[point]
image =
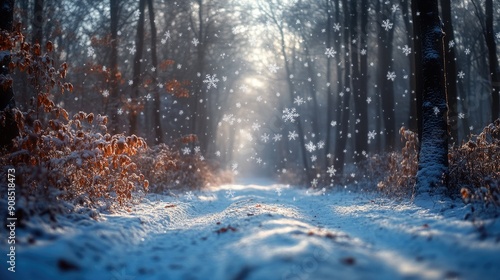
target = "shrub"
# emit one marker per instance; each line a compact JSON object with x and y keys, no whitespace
{"x":475,"y":167}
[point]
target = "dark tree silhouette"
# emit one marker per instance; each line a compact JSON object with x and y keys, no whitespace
{"x":8,"y":127}
{"x":494,"y":66}
{"x":433,"y":157}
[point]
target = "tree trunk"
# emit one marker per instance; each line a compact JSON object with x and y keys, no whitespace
{"x":451,"y":71}
{"x":37,"y":23}
{"x":433,"y":158}
{"x":417,"y":74}
{"x":154,"y":57}
{"x":139,"y":46}
{"x":494,"y":67}
{"x":8,"y":127}
{"x":114,"y":97}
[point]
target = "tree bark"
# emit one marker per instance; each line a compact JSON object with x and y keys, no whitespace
{"x":37,"y":23}
{"x":114,"y":95}
{"x":494,"y":67}
{"x":451,"y":70}
{"x":154,"y":58}
{"x":139,"y":46}
{"x":433,"y":157}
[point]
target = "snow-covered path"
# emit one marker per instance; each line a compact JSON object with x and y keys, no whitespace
{"x":266,"y":231}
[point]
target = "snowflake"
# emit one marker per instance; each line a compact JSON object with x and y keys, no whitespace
{"x":323,"y":191}
{"x":333,"y":123}
{"x":336,"y":27}
{"x":105,"y":93}
{"x":369,"y":100}
{"x":90,"y":51}
{"x":273,"y":68}
{"x":313,"y":158}
{"x":217,"y":154}
{"x":371,"y":134}
{"x":292,"y":135}
{"x":229,"y":193}
{"x":395,"y":8}
{"x":290,"y":115}
{"x":321,"y":145}
{"x":299,"y":101}
{"x":279,"y":191}
{"x":451,"y":44}
{"x":211,"y":81}
{"x":461,"y":74}
{"x":391,"y":76}
{"x":197,"y":149}
{"x":314,"y":183}
{"x":406,"y":50}
{"x":330,"y":52}
{"x":310,"y":147}
{"x":255,"y":126}
{"x":436,"y":110}
{"x":264,"y":137}
{"x":363,"y":52}
{"x":467,"y":51}
{"x":277,"y":137}
{"x":119,"y":111}
{"x":195,"y":42}
{"x":130,"y":82}
{"x":461,"y":115}
{"x":258,"y":160}
{"x":387,"y":25}
{"x":160,"y":85}
{"x":331,"y":171}
{"x":234,"y":166}
{"x":189,"y":195}
{"x":186,"y":150}
{"x":498,"y":35}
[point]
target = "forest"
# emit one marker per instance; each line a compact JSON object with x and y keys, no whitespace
{"x":237,"y":122}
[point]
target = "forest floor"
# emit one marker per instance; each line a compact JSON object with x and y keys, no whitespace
{"x":264,"y":231}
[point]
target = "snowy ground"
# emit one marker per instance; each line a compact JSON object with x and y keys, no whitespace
{"x":265,"y":231}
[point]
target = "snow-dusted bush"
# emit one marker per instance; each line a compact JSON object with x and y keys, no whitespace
{"x":475,"y":167}
{"x":167,"y":169}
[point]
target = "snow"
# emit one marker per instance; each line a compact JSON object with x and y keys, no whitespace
{"x":264,"y":231}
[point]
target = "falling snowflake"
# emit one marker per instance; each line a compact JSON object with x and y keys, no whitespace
{"x":292,"y":135}
{"x":277,"y":137}
{"x":189,"y":195}
{"x":371,"y":135}
{"x":229,"y":193}
{"x":498,"y":35}
{"x":105,"y":93}
{"x":391,"y":76}
{"x":406,"y":50}
{"x":195,"y":42}
{"x":217,"y":154}
{"x":299,"y":101}
{"x":369,"y":100}
{"x":395,"y":8}
{"x":333,"y":123}
{"x":363,"y":52}
{"x":461,"y":115}
{"x":273,"y":68}
{"x":264,"y":137}
{"x":186,"y":150}
{"x":467,"y":51}
{"x":461,"y":74}
{"x":321,"y":145}
{"x":330,"y":52}
{"x":90,"y":52}
{"x":435,"y":110}
{"x":290,"y":115}
{"x":255,"y":126}
{"x":314,"y":183}
{"x":310,"y":147}
{"x":130,"y":82}
{"x":119,"y":111}
{"x":331,"y":171}
{"x":197,"y":149}
{"x":313,"y":158}
{"x":279,"y":191}
{"x":336,"y":27}
{"x":211,"y":81}
{"x":387,"y":25}
{"x":451,"y":44}
{"x":234,"y":166}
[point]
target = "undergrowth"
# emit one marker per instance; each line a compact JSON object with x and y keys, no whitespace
{"x":62,"y":161}
{"x":474,"y":167}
